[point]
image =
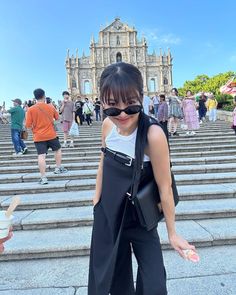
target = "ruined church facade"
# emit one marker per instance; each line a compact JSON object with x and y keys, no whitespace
{"x":118,"y":42}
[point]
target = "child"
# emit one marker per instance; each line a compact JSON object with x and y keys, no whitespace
{"x":163,"y":113}
{"x":211,"y":107}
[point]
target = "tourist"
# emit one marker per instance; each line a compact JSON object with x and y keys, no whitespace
{"x":234,"y":117}
{"x":40,"y":118}
{"x":17,"y":118}
{"x":79,"y":117}
{"x":163,"y":113}
{"x":97,"y":108}
{"x":156,"y":101}
{"x":147,"y":104}
{"x":202,"y":109}
{"x":175,"y":112}
{"x":3,"y":119}
{"x":190,"y":113}
{"x":110,"y":271}
{"x":88,"y":111}
{"x":211,"y":105}
{"x":2,"y":241}
{"x":67,"y":110}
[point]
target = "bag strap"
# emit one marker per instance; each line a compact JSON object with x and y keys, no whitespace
{"x":46,"y":115}
{"x":141,"y":141}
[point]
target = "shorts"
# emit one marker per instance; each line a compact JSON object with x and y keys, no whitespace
{"x":43,"y":146}
{"x":66,"y":126}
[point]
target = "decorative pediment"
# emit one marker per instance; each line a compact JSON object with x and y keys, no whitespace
{"x":118,"y":26}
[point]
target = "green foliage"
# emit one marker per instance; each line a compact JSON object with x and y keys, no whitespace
{"x":206,"y":84}
{"x":224,"y":98}
{"x":229,"y":107}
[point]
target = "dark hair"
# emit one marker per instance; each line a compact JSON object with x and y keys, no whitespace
{"x":48,"y":100}
{"x":65,"y":93}
{"x":162,"y":96}
{"x":176,"y":91}
{"x":189,"y":91}
{"x":123,"y":81}
{"x":39,"y":93}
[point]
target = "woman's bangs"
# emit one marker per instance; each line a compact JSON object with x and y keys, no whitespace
{"x":117,"y":89}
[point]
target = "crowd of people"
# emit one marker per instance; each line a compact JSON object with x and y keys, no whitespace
{"x":190,"y":110}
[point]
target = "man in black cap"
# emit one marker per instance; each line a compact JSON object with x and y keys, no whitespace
{"x":17,"y":119}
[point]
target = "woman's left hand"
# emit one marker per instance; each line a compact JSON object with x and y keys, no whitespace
{"x":180,"y":244}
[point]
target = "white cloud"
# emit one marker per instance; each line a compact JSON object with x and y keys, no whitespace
{"x":154,"y":37}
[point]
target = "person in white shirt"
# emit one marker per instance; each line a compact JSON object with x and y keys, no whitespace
{"x":147,"y":104}
{"x":156,"y":101}
{"x":88,"y":111}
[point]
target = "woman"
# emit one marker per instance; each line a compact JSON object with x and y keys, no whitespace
{"x":175,"y":112}
{"x":202,"y":109}
{"x":116,"y":226}
{"x":163,"y":113}
{"x":211,"y":105}
{"x":190,"y":113}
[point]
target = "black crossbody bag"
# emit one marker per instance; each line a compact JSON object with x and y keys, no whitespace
{"x":146,"y":199}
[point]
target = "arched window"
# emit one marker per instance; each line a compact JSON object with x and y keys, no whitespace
{"x":87,"y":89}
{"x":73,"y":83}
{"x":118,"y":57}
{"x":152,"y":85}
{"x":165,"y":81}
{"x":117,"y":40}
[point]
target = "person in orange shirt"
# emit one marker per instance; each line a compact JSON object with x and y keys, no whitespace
{"x":40,"y":118}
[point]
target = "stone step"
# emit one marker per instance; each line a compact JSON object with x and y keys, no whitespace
{"x":200,"y":153}
{"x":85,"y":141}
{"x":89,"y":170}
{"x":56,"y":276}
{"x":44,"y":243}
{"x":83,"y":215}
{"x":27,"y":165}
{"x":89,"y":183}
{"x":32,"y":201}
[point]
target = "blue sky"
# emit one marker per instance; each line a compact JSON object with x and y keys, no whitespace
{"x":35,"y":35}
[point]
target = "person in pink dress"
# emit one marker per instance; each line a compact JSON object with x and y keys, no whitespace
{"x":234,"y":116}
{"x":190,"y":114}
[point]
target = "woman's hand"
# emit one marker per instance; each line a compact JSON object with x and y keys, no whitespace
{"x":95,"y":201}
{"x":4,"y":240}
{"x":180,"y":244}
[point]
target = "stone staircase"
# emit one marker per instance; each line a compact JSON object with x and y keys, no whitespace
{"x":52,"y":228}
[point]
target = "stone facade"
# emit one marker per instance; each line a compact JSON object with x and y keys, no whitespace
{"x":118,"y":42}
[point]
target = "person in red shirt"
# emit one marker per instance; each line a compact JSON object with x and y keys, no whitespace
{"x":40,"y":118}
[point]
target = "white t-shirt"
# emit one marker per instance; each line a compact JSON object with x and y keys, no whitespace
{"x":156,"y":100}
{"x":147,"y":102}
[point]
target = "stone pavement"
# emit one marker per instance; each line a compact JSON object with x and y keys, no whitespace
{"x":49,"y":251}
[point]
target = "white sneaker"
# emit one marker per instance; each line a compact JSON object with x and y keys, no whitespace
{"x":187,"y":133}
{"x":193,"y":133}
{"x":25,"y":150}
{"x":200,"y":122}
{"x":71,"y":144}
{"x":65,"y":145}
{"x":43,"y":180}
{"x":60,"y":170}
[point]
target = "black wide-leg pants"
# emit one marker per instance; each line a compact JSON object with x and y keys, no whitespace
{"x":151,"y":276}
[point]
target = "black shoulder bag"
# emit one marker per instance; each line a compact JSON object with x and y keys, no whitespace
{"x":146,"y":199}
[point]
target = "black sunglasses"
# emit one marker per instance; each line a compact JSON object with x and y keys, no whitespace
{"x":130,"y":110}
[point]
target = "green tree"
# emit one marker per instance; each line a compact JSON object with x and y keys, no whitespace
{"x":206,"y":84}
